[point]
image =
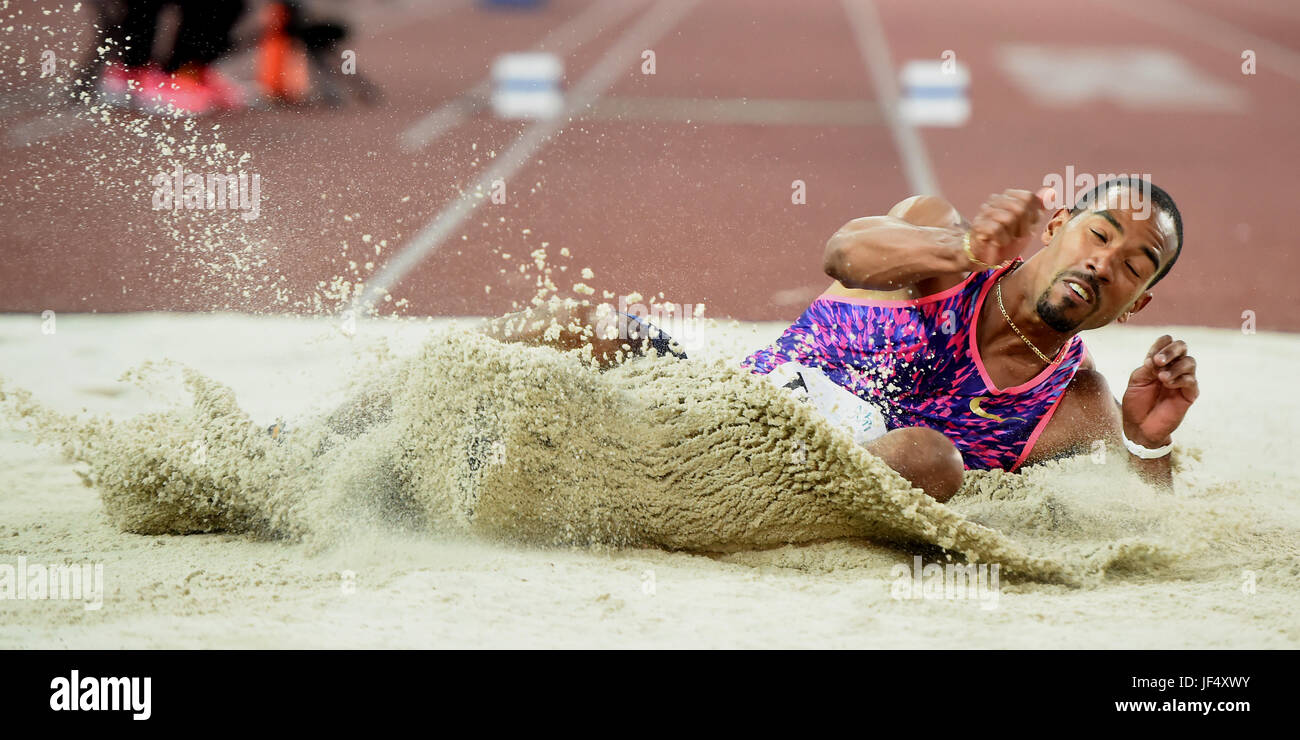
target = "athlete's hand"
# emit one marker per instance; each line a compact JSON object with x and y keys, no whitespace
{"x":1159,"y":393}
{"x":1006,"y":224}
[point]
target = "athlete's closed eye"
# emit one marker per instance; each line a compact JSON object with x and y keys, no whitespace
{"x":1099,"y":235}
{"x":1129,"y":265}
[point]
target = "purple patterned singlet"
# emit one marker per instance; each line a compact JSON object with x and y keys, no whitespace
{"x":918,"y":362}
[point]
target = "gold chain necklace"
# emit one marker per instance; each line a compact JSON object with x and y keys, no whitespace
{"x":1014,"y":328}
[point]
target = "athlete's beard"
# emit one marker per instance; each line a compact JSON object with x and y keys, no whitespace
{"x":1053,"y":314}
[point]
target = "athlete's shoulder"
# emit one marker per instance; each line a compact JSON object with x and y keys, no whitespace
{"x":921,"y":210}
{"x":1087,"y":411}
{"x":1088,"y":387}
{"x":1088,"y":390}
{"x":1088,"y":404}
{"x":927,"y":210}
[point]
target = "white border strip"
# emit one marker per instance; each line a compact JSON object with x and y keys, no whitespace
{"x":737,"y":111}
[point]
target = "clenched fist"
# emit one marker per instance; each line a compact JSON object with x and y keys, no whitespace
{"x":1006,"y":223}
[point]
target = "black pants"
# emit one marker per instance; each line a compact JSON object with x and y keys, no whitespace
{"x":202,"y":37}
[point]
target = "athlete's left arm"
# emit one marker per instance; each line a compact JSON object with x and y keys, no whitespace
{"x":1158,"y":396}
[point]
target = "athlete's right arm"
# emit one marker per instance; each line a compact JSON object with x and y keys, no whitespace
{"x":920,"y":242}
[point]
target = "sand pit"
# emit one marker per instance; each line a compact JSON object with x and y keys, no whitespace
{"x":477,"y":499}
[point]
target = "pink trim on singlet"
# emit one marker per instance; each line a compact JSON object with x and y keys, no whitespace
{"x":1047,"y":417}
{"x":975,"y":347}
{"x":1038,"y":430}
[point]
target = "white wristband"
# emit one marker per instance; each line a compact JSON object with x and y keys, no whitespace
{"x":1146,"y":453}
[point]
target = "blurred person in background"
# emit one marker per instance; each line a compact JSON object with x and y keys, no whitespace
{"x":297,"y":55}
{"x":299,"y":59}
{"x":181,"y":81}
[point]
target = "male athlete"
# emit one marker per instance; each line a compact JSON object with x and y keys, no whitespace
{"x":941,"y":349}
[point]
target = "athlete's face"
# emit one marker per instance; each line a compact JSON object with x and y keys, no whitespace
{"x":1101,"y":261}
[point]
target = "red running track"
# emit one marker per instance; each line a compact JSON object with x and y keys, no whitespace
{"x":685,"y":193}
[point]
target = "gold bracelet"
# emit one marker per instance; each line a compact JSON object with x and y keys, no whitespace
{"x":965,"y":246}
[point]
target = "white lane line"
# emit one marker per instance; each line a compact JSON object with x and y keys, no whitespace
{"x":561,"y":41}
{"x":742,"y":111}
{"x":30,"y":99}
{"x":44,"y":127}
{"x":1217,"y":32}
{"x":617,"y":60}
{"x":875,"y":53}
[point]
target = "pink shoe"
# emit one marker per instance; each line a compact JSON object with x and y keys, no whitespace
{"x":225,"y":93}
{"x":175,"y":95}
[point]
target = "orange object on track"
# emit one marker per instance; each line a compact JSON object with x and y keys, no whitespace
{"x":282,"y":62}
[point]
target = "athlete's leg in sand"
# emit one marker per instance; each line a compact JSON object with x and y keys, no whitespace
{"x":926,"y":458}
{"x":613,"y":337}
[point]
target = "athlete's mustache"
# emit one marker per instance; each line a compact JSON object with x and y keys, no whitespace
{"x":1083,"y":277}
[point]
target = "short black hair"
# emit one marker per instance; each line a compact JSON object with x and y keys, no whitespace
{"x":1160,"y":200}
